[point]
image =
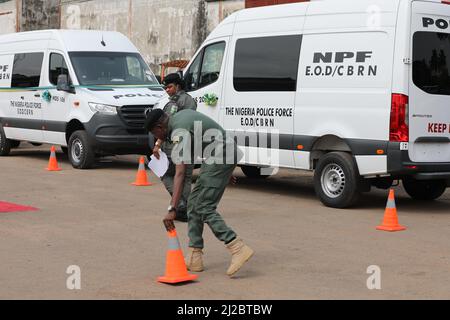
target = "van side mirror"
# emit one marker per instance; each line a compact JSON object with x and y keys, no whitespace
{"x":63,"y":84}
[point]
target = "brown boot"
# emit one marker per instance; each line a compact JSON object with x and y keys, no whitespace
{"x":194,"y":260}
{"x":240,"y":254}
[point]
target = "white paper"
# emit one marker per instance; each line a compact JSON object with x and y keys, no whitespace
{"x":159,"y":167}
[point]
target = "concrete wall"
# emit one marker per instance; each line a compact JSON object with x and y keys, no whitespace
{"x":162,"y":30}
{"x":8,"y":17}
{"x":40,"y":14}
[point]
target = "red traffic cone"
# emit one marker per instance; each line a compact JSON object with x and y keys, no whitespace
{"x":176,"y":271}
{"x":53,"y":163}
{"x":390,"y":222}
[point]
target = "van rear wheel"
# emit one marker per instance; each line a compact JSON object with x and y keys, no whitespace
{"x":5,"y":144}
{"x":336,"y":180}
{"x":424,"y":190}
{"x":80,"y":151}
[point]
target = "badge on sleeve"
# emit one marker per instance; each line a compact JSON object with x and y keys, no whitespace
{"x":176,"y":139}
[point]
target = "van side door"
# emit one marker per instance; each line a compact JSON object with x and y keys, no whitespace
{"x":21,"y":103}
{"x":260,"y":93}
{"x":204,"y":78}
{"x":56,"y":104}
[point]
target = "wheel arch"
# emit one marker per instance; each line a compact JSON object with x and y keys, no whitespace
{"x":72,"y":126}
{"x":326,"y":144}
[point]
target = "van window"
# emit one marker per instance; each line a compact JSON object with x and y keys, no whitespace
{"x":431,"y":58}
{"x":267,"y":64}
{"x":58,"y":67}
{"x":111,"y":68}
{"x":27,"y":70}
{"x":212,"y":63}
{"x":206,"y":67}
{"x":192,"y":75}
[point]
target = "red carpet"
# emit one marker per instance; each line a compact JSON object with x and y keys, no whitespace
{"x":11,"y":207}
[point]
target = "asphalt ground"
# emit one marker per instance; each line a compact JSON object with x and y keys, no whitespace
{"x":113,"y":231}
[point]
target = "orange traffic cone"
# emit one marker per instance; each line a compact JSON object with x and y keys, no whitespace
{"x":176,"y":271}
{"x":390,"y":222}
{"x":141,"y":178}
{"x":53,"y":163}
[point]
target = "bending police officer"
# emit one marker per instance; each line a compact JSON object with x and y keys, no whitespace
{"x":215,"y":174}
{"x":179,"y":100}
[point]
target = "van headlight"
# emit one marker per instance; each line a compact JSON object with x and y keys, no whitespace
{"x":103,"y":108}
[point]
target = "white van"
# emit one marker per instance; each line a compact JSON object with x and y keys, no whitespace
{"x":84,"y":90}
{"x":358,"y":90}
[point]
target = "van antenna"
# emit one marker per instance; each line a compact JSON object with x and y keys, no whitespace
{"x":103,"y":42}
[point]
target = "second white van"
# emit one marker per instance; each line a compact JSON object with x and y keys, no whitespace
{"x":86,"y":91}
{"x":358,"y":91}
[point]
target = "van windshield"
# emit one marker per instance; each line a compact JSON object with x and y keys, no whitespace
{"x":431,"y":64}
{"x":111,"y":68}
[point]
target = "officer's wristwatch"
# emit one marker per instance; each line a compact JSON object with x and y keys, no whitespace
{"x":171,"y":208}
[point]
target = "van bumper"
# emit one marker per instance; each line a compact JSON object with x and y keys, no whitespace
{"x":109,"y":135}
{"x":400,"y":165}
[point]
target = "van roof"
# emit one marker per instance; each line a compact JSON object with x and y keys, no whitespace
{"x":75,"y":40}
{"x":299,"y":9}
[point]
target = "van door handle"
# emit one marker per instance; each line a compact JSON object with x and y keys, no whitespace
{"x":37,"y":95}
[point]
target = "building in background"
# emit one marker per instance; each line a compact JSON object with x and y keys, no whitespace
{"x":162,"y":30}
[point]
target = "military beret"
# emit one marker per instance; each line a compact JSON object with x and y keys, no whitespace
{"x":173,"y":78}
{"x":153,"y":118}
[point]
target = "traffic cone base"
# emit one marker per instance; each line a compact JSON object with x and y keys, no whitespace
{"x":141,"y":178}
{"x":173,"y":280}
{"x":390,"y":221}
{"x":391,"y":229}
{"x":176,"y":271}
{"x":53,"y":163}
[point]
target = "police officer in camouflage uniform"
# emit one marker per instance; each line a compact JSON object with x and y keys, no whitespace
{"x":216,"y":171}
{"x":179,"y":100}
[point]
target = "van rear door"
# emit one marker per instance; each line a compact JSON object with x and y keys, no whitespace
{"x":429,"y":92}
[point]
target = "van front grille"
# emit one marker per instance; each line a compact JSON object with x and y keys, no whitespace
{"x":134,"y":116}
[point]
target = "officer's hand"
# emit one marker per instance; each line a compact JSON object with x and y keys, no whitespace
{"x":156,"y":152}
{"x":233,"y":180}
{"x":169,"y":221}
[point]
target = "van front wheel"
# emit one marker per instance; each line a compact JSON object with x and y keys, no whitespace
{"x":336,"y":180}
{"x":5,"y":144}
{"x":80,"y":151}
{"x":424,"y":190}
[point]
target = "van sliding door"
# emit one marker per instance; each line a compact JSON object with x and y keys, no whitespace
{"x":22,"y":102}
{"x":260,"y":97}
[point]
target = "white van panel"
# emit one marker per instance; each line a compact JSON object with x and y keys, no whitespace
{"x":302,"y":160}
{"x":270,"y":27}
{"x":345,"y":82}
{"x":23,"y":134}
{"x":58,"y":138}
{"x":371,"y":164}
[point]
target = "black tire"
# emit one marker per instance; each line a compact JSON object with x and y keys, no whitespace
{"x":5,"y":144}
{"x":15,"y":144}
{"x":424,"y":190}
{"x":336,"y":180}
{"x":253,"y":172}
{"x":80,"y":151}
